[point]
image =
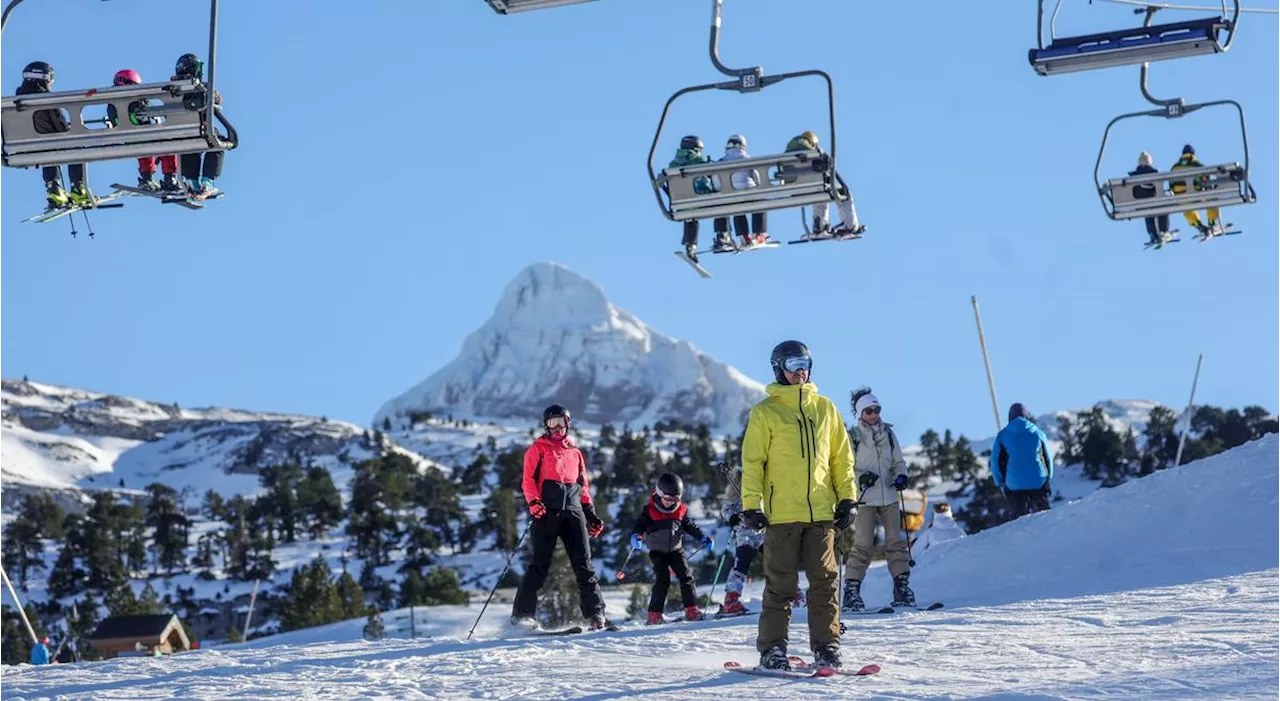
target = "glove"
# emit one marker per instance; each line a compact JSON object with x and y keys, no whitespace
{"x":867,"y":480}
{"x":594,"y":525}
{"x":536,"y":509}
{"x":844,"y":514}
{"x":708,"y":542}
{"x":637,"y":541}
{"x":900,"y":482}
{"x":754,"y":520}
{"x":734,"y":520}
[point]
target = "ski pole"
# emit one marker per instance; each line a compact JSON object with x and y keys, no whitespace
{"x":902,"y":509}
{"x":504,"y":574}
{"x":716,"y":582}
{"x":622,"y":573}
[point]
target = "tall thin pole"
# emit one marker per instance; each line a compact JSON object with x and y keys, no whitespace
{"x":248,"y":616}
{"x":18,"y":602}
{"x":1177,"y":460}
{"x":211,"y":66}
{"x":991,"y":381}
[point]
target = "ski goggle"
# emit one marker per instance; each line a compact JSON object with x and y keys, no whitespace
{"x":871,"y":410}
{"x":32,"y":75}
{"x":797,"y":363}
{"x":556,"y":422}
{"x":668,"y":497}
{"x":121,"y":80}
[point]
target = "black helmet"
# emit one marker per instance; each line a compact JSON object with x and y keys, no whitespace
{"x":691,"y":142}
{"x":188,"y":66}
{"x":38,"y":71}
{"x":671,"y":485}
{"x":784,"y":350}
{"x":556,"y":410}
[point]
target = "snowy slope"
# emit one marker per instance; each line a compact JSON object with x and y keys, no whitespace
{"x":1163,"y":588}
{"x":63,"y":438}
{"x":555,"y":337}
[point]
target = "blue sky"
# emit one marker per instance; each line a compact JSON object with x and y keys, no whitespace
{"x":402,"y":161}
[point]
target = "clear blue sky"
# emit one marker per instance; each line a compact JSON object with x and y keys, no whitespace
{"x":402,"y":161}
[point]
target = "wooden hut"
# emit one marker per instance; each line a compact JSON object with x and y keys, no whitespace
{"x":160,"y":634}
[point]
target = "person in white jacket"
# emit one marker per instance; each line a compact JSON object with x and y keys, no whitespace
{"x":942,"y":529}
{"x":735,"y":149}
{"x":882,"y":475}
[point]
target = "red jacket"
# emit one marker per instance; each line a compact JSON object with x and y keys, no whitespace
{"x":556,"y":472}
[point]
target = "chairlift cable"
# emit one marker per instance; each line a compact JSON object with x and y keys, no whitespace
{"x":1200,"y":8}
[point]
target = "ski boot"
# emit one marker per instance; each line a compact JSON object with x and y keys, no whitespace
{"x":846,"y":231}
{"x":723,"y":243}
{"x":775,"y":658}
{"x":827,"y":656}
{"x":821,"y":230}
{"x":172,"y":184}
{"x":525,"y":622}
{"x":693,"y":613}
{"x":760,"y":238}
{"x":655,"y":619}
{"x":691,"y":252}
{"x":733,"y":603}
{"x":902,"y":594}
{"x":148,"y":182}
{"x":204,"y":189}
{"x":55,"y":197}
{"x":599,"y":622}
{"x":851,"y":598}
{"x":80,"y":195}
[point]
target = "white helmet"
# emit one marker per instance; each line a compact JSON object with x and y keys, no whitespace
{"x":736,"y":141}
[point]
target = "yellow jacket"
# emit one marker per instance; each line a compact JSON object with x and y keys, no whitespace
{"x":796,"y":460}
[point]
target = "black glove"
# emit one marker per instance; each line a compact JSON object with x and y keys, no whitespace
{"x":754,"y":519}
{"x":900,"y":482}
{"x":867,"y":480}
{"x":734,"y":520}
{"x":844,"y":514}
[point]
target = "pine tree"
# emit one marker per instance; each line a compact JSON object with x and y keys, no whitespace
{"x":1160,"y":440}
{"x":503,"y":509}
{"x":412,"y":590}
{"x":170,"y":528}
{"x":280,"y":484}
{"x":441,"y":587}
{"x":149,"y":601}
{"x":66,"y":578}
{"x":351,"y":596}
{"x":472,"y":480}
{"x":373,"y":628}
{"x":319,"y":501}
{"x":23,"y":550}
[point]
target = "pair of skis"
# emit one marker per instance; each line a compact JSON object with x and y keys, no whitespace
{"x":1224,"y":230}
{"x":182,"y":199}
{"x":51,"y":214}
{"x":768,"y":243}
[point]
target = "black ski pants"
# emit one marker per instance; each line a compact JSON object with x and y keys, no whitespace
{"x":192,"y":169}
{"x":1157,"y":225}
{"x":1028,"y":501}
{"x":663,"y":565}
{"x":569,"y":526}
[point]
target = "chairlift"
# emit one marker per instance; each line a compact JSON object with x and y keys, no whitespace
{"x":1221,"y":185}
{"x":1126,"y":47}
{"x":794,"y":179}
{"x":508,"y":7}
{"x":184,"y":109}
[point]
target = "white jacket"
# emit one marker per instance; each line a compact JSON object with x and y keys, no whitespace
{"x":877,"y":451}
{"x":943,"y":528}
{"x":741,"y":179}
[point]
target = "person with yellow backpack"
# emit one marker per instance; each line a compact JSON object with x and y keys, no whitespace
{"x":882,"y":475}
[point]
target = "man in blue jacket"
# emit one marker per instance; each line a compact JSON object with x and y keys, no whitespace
{"x":1022,"y":464}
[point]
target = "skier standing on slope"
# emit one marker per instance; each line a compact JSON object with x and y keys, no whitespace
{"x":797,"y":484}
{"x":943,"y":528}
{"x":559,"y":497}
{"x":661,"y":526}
{"x":882,"y":475}
{"x":1022,"y":464}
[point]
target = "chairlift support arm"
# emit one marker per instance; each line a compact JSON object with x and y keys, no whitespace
{"x":749,"y":79}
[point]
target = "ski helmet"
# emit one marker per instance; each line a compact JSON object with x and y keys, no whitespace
{"x":810,"y":137}
{"x":670,"y":484}
{"x":786,"y":351}
{"x":188,"y":66}
{"x":128,"y":76}
{"x":736,"y":141}
{"x":38,"y":71}
{"x":556,"y":410}
{"x":691,"y":142}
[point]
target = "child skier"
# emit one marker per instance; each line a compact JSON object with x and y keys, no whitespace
{"x":37,"y":78}
{"x":690,"y":153}
{"x":748,"y":544}
{"x":808,"y":141}
{"x":661,"y":527}
{"x":735,"y":149}
{"x":200,"y":178}
{"x":146,"y":164}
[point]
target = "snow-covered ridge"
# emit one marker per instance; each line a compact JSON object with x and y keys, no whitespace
{"x":63,"y":438}
{"x":555,"y":337}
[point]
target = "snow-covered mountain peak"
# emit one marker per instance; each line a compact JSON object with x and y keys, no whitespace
{"x":555,"y":337}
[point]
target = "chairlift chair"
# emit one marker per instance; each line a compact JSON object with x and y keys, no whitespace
{"x":1222,"y":185}
{"x":1126,"y":47}
{"x":184,"y":109}
{"x":508,"y":7}
{"x":794,"y":179}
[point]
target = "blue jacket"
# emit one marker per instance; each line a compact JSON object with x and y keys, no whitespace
{"x":1020,"y":458}
{"x":40,"y":654}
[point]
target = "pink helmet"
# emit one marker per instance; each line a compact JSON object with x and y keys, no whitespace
{"x":127,"y":76}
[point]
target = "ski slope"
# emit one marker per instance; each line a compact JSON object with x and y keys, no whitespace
{"x":1163,"y":588}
